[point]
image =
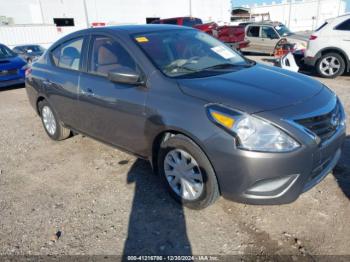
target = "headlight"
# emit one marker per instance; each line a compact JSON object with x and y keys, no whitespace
{"x":253,"y":133}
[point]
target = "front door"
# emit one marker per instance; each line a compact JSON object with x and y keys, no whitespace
{"x":112,"y":112}
{"x":269,"y":39}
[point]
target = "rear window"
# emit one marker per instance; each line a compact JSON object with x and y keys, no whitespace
{"x":33,"y":48}
{"x":253,"y":31}
{"x":345,"y":26}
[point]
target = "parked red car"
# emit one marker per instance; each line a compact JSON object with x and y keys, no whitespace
{"x":232,"y":35}
{"x":185,"y":21}
{"x":209,"y":28}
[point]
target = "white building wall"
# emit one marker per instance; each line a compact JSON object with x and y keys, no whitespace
{"x":112,"y":11}
{"x":301,"y":15}
{"x":34,"y":18}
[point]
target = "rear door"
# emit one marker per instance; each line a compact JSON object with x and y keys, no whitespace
{"x":253,"y":36}
{"x":111,"y":112}
{"x":61,"y":81}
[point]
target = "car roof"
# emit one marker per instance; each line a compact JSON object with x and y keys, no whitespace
{"x":136,"y":29}
{"x":179,"y":17}
{"x":27,"y":45}
{"x":131,"y":29}
{"x":266,"y":23}
{"x":122,"y":29}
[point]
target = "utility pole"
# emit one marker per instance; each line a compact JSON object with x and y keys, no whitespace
{"x":41,"y":12}
{"x":190,"y":3}
{"x":290,"y":12}
{"x":318,"y":12}
{"x":86,"y":14}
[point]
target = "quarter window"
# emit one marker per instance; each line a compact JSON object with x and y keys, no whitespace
{"x":345,"y":26}
{"x":253,"y":31}
{"x":108,"y":55}
{"x":68,"y":54}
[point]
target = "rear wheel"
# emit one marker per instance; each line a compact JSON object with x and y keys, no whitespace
{"x":330,"y":65}
{"x":187,"y":172}
{"x":52,"y":125}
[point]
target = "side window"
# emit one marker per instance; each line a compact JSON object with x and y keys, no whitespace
{"x":253,"y":31}
{"x":268,"y":32}
{"x":345,"y":26}
{"x":108,"y":55}
{"x":68,"y":54}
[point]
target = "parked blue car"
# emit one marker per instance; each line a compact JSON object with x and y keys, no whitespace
{"x":12,"y":67}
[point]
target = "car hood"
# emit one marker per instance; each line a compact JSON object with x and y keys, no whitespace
{"x":11,"y":62}
{"x":255,"y":89}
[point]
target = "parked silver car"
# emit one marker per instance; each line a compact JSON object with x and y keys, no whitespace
{"x":264,"y":37}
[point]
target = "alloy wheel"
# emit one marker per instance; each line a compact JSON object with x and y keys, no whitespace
{"x":330,"y":66}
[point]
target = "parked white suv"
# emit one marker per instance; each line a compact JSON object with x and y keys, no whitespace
{"x":328,"y":48}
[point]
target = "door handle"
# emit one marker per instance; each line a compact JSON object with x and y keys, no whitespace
{"x":47,"y":82}
{"x":87,"y":92}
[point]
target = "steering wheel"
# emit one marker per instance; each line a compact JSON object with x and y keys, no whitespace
{"x":194,"y":50}
{"x":180,"y":63}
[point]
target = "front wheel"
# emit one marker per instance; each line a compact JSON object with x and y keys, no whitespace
{"x":53,"y":127}
{"x":330,"y":65}
{"x":187,"y":172}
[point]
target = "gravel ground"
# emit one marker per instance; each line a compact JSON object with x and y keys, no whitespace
{"x":79,"y":196}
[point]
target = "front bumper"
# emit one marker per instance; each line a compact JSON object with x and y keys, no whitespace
{"x":12,"y":82}
{"x":272,"y":178}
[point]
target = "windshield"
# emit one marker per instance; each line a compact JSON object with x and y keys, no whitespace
{"x":283,"y":30}
{"x":6,"y":52}
{"x":187,"y":52}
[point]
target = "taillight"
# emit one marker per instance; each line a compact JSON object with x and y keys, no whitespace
{"x":28,"y":71}
{"x":312,"y":37}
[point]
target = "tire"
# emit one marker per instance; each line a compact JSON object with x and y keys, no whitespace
{"x":334,"y":59}
{"x":59,"y":132}
{"x":208,"y":192}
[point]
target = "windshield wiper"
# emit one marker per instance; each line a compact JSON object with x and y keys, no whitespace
{"x":227,"y":65}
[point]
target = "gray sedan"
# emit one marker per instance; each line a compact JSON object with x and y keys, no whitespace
{"x":210,"y":121}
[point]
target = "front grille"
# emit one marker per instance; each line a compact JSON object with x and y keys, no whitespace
{"x":8,"y":72}
{"x":324,"y":126}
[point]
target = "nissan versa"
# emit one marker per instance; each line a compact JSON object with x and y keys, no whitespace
{"x":210,"y":121}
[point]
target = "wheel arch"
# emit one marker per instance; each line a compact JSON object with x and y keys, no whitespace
{"x":166,"y":134}
{"x":38,"y":100}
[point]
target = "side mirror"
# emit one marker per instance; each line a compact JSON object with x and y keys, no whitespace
{"x":125,"y":75}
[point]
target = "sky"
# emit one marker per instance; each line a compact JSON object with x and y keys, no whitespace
{"x":248,"y":2}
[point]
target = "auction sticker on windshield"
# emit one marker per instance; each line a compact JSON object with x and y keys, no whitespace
{"x":141,"y":39}
{"x":222,"y":51}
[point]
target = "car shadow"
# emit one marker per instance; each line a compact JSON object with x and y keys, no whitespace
{"x":12,"y":87}
{"x":157,"y":223}
{"x":342,"y":171}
